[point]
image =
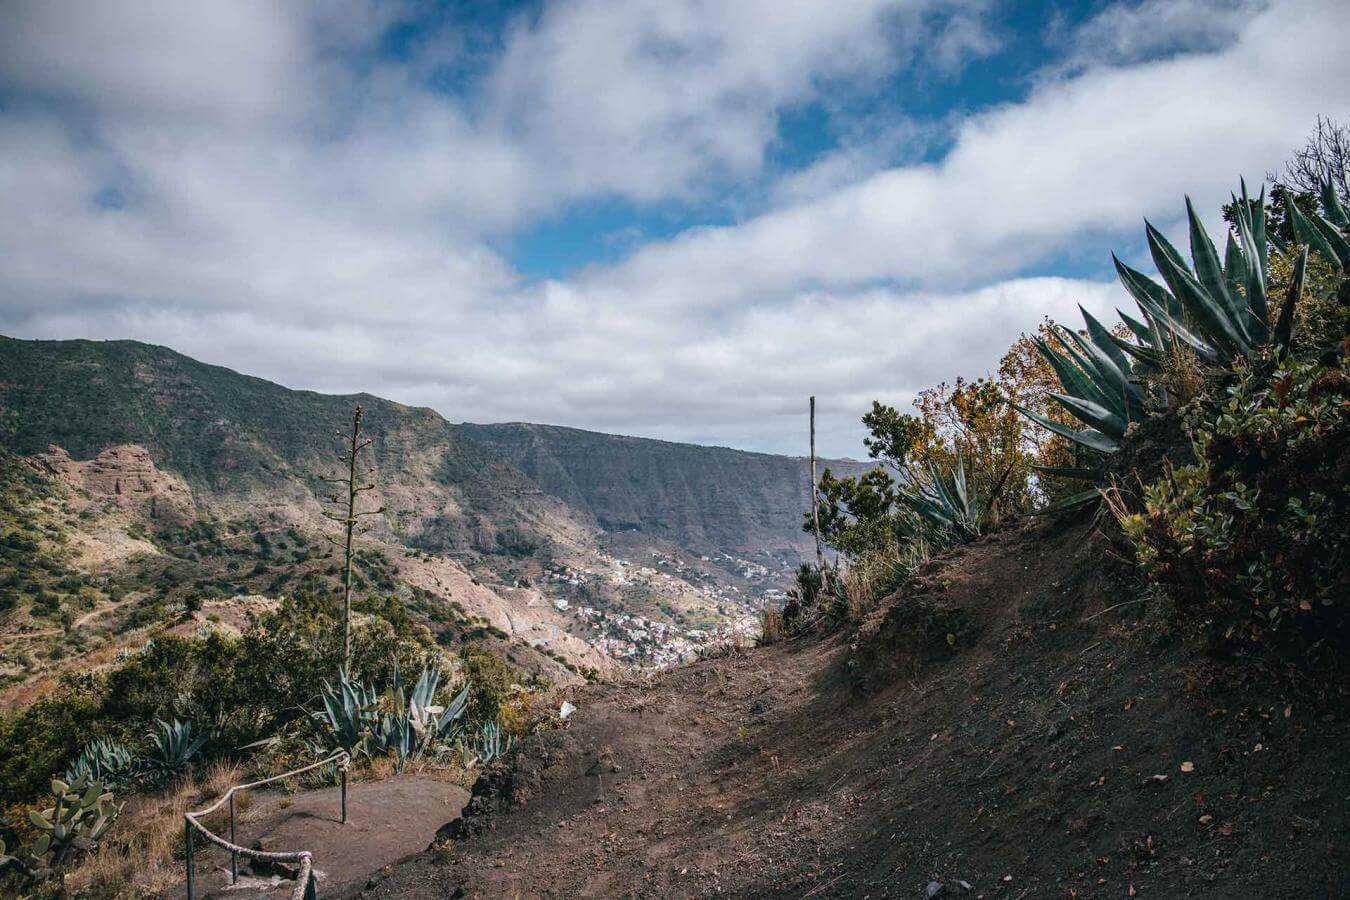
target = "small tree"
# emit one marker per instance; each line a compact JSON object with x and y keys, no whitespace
{"x":1325,"y":157}
{"x":349,"y":517}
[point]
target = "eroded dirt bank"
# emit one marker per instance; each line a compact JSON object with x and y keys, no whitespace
{"x":1057,"y":745}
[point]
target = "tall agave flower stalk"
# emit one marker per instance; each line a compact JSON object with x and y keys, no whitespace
{"x":1218,"y":310}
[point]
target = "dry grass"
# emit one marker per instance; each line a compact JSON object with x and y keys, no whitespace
{"x":875,"y":574}
{"x":220,"y":777}
{"x":141,"y":855}
{"x":1183,"y":375}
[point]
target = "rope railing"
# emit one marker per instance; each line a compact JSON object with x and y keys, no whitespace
{"x":305,"y":881}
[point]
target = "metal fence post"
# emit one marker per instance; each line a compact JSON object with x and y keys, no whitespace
{"x":344,"y":794}
{"x":187,"y":839}
{"x":234,"y":854}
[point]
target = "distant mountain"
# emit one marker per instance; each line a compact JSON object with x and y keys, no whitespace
{"x":167,"y":484}
{"x":702,"y":498}
{"x":239,"y":440}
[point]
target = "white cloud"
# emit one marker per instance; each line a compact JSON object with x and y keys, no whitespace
{"x":1128,"y":33}
{"x":329,"y":232}
{"x":1094,"y":152}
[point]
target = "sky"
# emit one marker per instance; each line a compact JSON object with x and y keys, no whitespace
{"x":667,"y":218}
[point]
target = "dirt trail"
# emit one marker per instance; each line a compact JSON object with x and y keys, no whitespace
{"x":1045,"y":750}
{"x":386,"y":821}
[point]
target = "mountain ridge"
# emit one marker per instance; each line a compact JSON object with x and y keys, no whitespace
{"x":228,"y":432}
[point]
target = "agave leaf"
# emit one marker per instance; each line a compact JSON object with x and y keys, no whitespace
{"x":1251,"y":214}
{"x":1087,"y":437}
{"x":1213,"y":318}
{"x":1146,"y":356}
{"x":1337,"y":241}
{"x":1145,"y":290}
{"x":1073,"y":501}
{"x":1252,"y":238}
{"x":1098,"y":417}
{"x":1234,"y":265}
{"x":1308,"y":233}
{"x":1331,"y":206}
{"x":1284,"y":328}
{"x":1100,"y":337}
{"x":1074,"y":379}
{"x":1208,"y":270}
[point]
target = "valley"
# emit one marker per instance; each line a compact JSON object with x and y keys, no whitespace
{"x":171,"y":493}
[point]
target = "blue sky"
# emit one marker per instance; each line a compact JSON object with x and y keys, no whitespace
{"x":1021,"y":37}
{"x":672,"y":218}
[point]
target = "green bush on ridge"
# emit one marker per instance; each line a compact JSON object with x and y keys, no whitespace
{"x":1251,"y":543}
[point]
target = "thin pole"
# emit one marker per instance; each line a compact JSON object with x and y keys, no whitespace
{"x":234,"y":854}
{"x":344,"y":795}
{"x":815,"y":493}
{"x":187,"y":843}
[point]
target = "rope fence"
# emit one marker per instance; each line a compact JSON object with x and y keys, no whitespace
{"x":305,"y":888}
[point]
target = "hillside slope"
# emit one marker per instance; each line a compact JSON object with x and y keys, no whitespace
{"x":1056,"y":746}
{"x":708,"y":499}
{"x":240,"y":441}
{"x":174,"y":483}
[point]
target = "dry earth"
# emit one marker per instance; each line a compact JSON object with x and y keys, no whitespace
{"x":1057,"y":744}
{"x":386,"y":820}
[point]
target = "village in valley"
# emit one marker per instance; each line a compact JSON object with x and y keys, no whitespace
{"x":698,"y":602}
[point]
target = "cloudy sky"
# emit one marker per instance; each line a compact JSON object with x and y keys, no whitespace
{"x":671,"y":218}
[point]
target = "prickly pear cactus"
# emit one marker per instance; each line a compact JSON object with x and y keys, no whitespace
{"x":81,"y":813}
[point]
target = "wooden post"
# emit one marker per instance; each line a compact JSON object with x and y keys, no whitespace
{"x":815,"y":494}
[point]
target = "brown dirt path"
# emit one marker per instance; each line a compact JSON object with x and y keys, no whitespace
{"x":1051,"y":750}
{"x":386,"y":821}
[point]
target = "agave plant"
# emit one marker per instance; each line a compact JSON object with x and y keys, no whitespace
{"x":1217,"y":310}
{"x":394,"y":733}
{"x":174,"y":746}
{"x":1325,"y":232}
{"x":409,"y":724}
{"x":102,"y":759}
{"x":946,"y":501}
{"x":349,"y":714}
{"x":489,"y":744}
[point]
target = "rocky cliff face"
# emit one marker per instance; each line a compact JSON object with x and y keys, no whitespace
{"x":708,"y":499}
{"x":127,"y":477}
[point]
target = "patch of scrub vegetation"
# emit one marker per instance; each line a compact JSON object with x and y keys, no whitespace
{"x":35,"y":571}
{"x":180,"y":705}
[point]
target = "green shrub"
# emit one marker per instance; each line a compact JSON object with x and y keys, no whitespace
{"x":1252,"y":543}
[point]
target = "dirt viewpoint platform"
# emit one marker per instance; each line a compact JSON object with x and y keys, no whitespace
{"x":1056,"y":749}
{"x":386,"y":821}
